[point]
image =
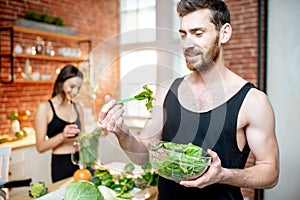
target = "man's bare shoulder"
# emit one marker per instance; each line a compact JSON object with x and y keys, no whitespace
{"x":256,"y":106}
{"x":257,"y":97}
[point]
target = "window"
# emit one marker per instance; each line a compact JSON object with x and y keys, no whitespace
{"x":135,"y":15}
{"x":150,"y":50}
{"x":138,"y":68}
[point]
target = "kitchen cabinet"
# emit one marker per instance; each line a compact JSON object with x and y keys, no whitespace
{"x":9,"y":56}
{"x":26,"y":163}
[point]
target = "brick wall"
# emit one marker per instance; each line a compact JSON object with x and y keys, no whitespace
{"x":241,"y":52}
{"x":96,"y":20}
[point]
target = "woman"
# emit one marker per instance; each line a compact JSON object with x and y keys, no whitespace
{"x":59,"y":120}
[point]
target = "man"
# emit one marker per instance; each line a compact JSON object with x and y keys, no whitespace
{"x":212,"y":107}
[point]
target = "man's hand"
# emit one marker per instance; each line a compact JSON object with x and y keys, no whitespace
{"x":213,"y":175}
{"x":111,"y":116}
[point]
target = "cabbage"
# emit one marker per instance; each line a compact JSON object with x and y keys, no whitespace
{"x":82,"y":190}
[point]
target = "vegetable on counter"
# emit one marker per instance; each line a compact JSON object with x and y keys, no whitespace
{"x":82,"y":174}
{"x":82,"y":190}
{"x":122,"y":186}
{"x":125,"y":182}
{"x":148,"y":178}
{"x":128,"y":168}
{"x":104,"y":184}
{"x":37,"y":189}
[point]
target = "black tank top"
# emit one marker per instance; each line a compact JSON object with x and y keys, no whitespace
{"x":215,"y":129}
{"x":57,"y":125}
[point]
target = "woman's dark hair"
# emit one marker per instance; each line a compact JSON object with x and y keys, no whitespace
{"x":219,"y":10}
{"x":69,"y":71}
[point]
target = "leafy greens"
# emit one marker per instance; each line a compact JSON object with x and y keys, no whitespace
{"x":146,"y":94}
{"x":124,"y":184}
{"x":178,"y":161}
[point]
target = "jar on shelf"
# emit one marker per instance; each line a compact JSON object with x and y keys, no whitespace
{"x":40,"y":45}
{"x":49,"y":49}
{"x":18,"y":49}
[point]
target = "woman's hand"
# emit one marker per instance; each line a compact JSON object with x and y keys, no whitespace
{"x":70,"y":131}
{"x":213,"y":175}
{"x":111,"y":116}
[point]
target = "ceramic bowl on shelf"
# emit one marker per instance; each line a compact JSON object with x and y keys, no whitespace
{"x":178,"y":161}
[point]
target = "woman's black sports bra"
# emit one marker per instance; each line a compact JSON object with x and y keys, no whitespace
{"x":57,"y":125}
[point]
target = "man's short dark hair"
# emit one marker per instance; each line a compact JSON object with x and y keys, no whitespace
{"x":219,"y":10}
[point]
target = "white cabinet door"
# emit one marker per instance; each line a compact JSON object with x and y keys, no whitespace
{"x":38,"y":165}
{"x":28,"y":163}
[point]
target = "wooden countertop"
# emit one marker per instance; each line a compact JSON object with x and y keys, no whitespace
{"x":146,"y":194}
{"x":25,"y":142}
{"x":52,"y":187}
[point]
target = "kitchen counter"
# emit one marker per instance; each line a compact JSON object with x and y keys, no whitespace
{"x":149,"y":193}
{"x":52,"y":187}
{"x":25,"y":142}
{"x":57,"y":189}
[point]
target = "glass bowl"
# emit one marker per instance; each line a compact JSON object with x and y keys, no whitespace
{"x":178,"y":161}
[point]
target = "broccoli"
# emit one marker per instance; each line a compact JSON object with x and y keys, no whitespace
{"x":37,"y":189}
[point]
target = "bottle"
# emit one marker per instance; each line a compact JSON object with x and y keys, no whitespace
{"x":15,"y":126}
{"x":27,"y":69}
{"x":40,"y":44}
{"x":49,"y":49}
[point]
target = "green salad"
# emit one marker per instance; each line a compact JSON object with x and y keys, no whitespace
{"x":178,"y":161}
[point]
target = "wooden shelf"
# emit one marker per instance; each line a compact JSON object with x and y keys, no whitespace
{"x":52,"y":58}
{"x":31,"y":81}
{"x":11,"y":55}
{"x":45,"y":33}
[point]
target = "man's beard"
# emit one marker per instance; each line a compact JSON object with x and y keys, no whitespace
{"x":208,"y":60}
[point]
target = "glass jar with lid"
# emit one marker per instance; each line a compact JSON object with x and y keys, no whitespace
{"x":40,"y":45}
